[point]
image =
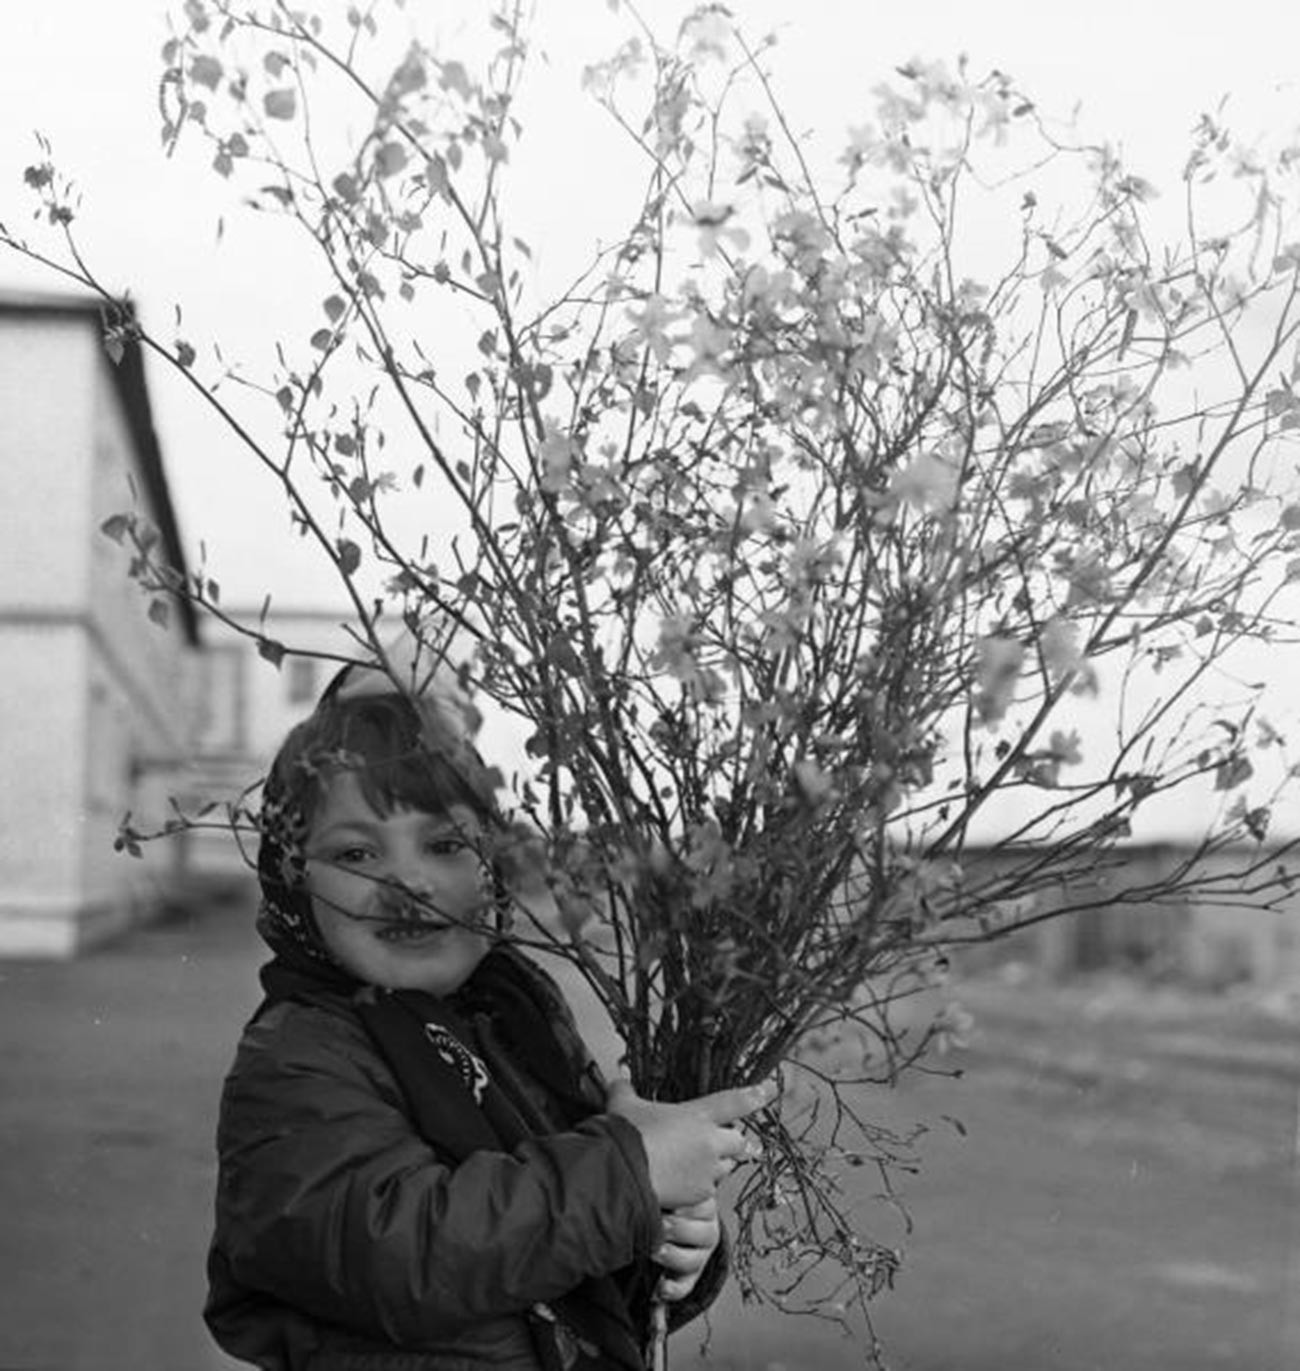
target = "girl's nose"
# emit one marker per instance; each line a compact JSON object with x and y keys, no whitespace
{"x":409,"y":879}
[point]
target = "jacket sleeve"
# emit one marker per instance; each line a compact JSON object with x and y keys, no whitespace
{"x":638,"y":1281}
{"x":330,"y":1201}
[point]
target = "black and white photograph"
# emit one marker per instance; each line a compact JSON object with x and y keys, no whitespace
{"x":648,"y":686}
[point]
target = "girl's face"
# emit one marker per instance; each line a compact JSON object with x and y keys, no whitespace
{"x":400,"y":900}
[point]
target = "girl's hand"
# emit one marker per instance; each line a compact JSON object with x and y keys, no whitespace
{"x":690,"y":1236}
{"x":693,"y":1145}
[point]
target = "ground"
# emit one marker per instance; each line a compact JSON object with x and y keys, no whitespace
{"x":1123,"y":1198}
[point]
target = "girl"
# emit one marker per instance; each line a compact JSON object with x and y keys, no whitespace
{"x":420,"y":1169}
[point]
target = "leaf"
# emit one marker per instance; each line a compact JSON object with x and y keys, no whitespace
{"x":335,"y":306}
{"x":815,"y":784}
{"x":453,"y":76}
{"x":159,"y":613}
{"x":1185,"y":480}
{"x":1058,"y":645}
{"x":349,"y":555}
{"x":184,"y":354}
{"x":323,"y":339}
{"x":206,"y":71}
{"x":1065,"y":747}
{"x":556,"y":457}
{"x":1232,"y":772}
{"x":929,"y":482}
{"x":116,"y":527}
{"x":281,"y":103}
{"x":1256,"y":821}
{"x":435,"y":174}
{"x":390,"y":159}
{"x":271,"y":651}
{"x":408,"y":77}
{"x":997,"y":672}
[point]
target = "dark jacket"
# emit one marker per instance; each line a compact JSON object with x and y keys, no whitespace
{"x":345,"y":1242}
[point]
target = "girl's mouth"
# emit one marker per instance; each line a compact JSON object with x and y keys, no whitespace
{"x":410,"y":933}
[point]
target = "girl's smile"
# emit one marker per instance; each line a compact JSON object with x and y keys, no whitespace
{"x":400,"y":899}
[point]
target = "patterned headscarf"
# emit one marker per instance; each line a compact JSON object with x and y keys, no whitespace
{"x":435,"y":760}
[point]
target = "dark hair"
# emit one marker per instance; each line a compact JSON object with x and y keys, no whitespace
{"x":401,"y":750}
{"x":404,"y":751}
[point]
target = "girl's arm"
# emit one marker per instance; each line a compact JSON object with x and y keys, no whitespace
{"x":329,"y":1201}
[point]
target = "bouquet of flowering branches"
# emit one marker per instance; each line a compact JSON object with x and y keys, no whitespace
{"x":796,"y":545}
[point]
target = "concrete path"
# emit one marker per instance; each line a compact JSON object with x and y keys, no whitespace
{"x":1086,"y":1223}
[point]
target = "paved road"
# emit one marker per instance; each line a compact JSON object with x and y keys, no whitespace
{"x":109,"y":1072}
{"x":1084,"y":1223}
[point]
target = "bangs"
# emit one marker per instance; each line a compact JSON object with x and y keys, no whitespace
{"x":413,"y":778}
{"x":402,"y":756}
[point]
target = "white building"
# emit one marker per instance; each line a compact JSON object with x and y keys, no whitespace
{"x":246,"y":703}
{"x":94,"y":697}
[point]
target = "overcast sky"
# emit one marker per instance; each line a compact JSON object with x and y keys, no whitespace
{"x":86,"y":74}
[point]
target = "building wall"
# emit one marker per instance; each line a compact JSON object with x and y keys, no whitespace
{"x":46,"y":414}
{"x":40,"y":803}
{"x":146,"y":662}
{"x":1229,"y":932}
{"x":96,"y":700}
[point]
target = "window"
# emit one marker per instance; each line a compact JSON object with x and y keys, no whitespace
{"x":222,"y":722}
{"x":300,"y":680}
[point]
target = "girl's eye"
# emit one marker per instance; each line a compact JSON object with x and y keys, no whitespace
{"x":447,"y":845}
{"x":350,"y":856}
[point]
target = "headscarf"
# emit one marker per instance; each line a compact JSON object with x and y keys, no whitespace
{"x":442,"y":720}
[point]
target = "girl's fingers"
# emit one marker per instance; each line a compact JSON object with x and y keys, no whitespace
{"x":703,"y":1209}
{"x":730,"y":1106}
{"x":669,"y":1289}
{"x":682,"y":1261}
{"x":731,"y":1142}
{"x":690,"y":1232}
